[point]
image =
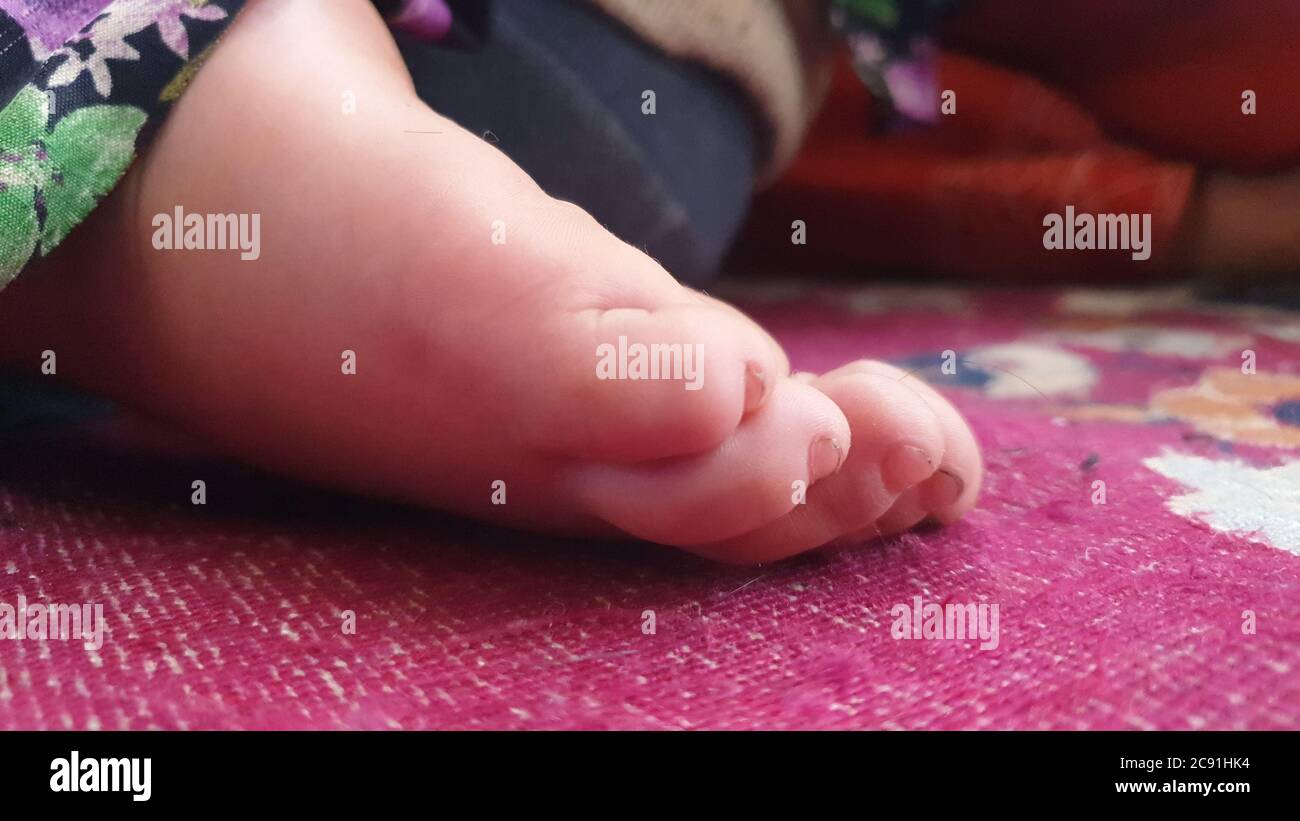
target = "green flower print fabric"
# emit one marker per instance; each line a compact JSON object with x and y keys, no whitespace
{"x":83,"y":85}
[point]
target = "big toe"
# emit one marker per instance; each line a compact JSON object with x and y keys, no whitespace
{"x":630,"y":364}
{"x":799,"y":438}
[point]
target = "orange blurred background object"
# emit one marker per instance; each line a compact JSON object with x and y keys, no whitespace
{"x":1107,"y":106}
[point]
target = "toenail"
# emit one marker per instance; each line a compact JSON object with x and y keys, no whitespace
{"x":943,"y":490}
{"x":905,"y":466}
{"x":755,"y":386}
{"x":824,"y":458}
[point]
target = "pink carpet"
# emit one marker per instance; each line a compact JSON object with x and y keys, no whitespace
{"x":1173,"y":604}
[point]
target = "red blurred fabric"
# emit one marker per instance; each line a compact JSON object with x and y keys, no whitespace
{"x":1110,"y":107}
{"x":1165,"y":75}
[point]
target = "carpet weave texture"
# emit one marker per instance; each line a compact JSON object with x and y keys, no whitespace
{"x":1139,"y":533}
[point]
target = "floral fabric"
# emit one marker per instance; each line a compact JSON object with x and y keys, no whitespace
{"x":83,"y":85}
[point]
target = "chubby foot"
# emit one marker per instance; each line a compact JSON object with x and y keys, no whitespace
{"x":423,"y":323}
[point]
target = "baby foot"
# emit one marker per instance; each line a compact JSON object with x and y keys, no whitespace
{"x":423,"y":323}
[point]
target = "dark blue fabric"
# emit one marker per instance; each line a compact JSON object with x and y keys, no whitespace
{"x":31,"y":403}
{"x":558,"y":86}
{"x":16,"y":62}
